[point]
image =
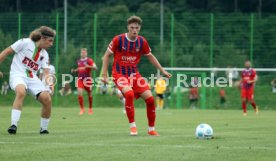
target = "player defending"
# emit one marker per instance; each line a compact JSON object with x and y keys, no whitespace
{"x":127,"y":49}
{"x":248,"y":79}
{"x":85,"y":65}
{"x":30,"y":55}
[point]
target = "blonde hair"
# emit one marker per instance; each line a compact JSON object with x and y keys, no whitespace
{"x":42,"y":31}
{"x":134,"y":19}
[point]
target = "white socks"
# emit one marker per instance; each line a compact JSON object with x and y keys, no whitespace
{"x":44,"y":123}
{"x":123,"y":100}
{"x":15,"y":116}
{"x":132,"y":124}
{"x":151,"y":128}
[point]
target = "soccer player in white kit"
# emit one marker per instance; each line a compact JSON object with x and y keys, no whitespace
{"x":29,"y":56}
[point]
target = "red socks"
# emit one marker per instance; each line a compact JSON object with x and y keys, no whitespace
{"x":254,"y":105}
{"x":90,"y":98}
{"x":129,"y":106}
{"x":150,"y":111}
{"x":90,"y":101}
{"x":129,"y":96}
{"x":80,"y":101}
{"x":244,"y":106}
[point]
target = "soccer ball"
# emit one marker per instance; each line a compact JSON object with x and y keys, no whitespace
{"x":204,"y":131}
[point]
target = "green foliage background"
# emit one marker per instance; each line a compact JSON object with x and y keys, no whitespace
{"x":189,"y":45}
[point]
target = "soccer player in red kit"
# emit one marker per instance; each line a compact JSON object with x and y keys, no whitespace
{"x":248,"y":79}
{"x":85,"y":65}
{"x":127,"y":49}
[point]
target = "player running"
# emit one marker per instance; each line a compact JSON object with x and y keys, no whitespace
{"x":85,"y":65}
{"x":30,"y":55}
{"x":248,"y":79}
{"x":127,"y":49}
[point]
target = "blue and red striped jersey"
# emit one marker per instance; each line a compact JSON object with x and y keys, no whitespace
{"x":248,"y":75}
{"x":127,"y":53}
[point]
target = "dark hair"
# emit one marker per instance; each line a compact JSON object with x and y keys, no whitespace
{"x":42,"y":31}
{"x":134,"y":19}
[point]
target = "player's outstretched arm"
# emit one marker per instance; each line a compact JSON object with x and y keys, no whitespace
{"x":156,"y":63}
{"x":5,"y":53}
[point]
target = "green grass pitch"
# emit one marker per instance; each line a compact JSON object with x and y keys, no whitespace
{"x":104,"y":136}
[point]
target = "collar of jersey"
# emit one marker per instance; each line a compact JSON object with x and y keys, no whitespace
{"x":129,"y":39}
{"x":84,"y":58}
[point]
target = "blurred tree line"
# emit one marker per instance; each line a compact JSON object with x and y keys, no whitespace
{"x":133,"y":6}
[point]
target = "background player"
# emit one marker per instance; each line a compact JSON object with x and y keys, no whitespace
{"x":193,"y":97}
{"x":30,"y":55}
{"x":85,"y":65}
{"x":160,"y":88}
{"x":127,"y":49}
{"x":222,"y":96}
{"x":248,"y":79}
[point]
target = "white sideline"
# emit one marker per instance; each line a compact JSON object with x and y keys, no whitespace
{"x":145,"y":145}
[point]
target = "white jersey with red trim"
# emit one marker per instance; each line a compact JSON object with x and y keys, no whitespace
{"x":28,"y":59}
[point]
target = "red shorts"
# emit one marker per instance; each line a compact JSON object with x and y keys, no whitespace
{"x":137,"y":83}
{"x":85,"y":84}
{"x":247,"y":93}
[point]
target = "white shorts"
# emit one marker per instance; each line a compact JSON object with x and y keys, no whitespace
{"x":33,"y":85}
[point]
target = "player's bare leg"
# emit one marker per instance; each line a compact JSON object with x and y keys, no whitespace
{"x":161,"y":103}
{"x":129,"y":106}
{"x":45,"y":99}
{"x":80,"y":98}
{"x":147,"y":96}
{"x":157,"y":103}
{"x":20,"y":92}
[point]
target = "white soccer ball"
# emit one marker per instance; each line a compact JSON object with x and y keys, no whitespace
{"x":204,"y":131}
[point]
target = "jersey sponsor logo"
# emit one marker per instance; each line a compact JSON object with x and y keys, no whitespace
{"x":30,"y":63}
{"x":128,"y":58}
